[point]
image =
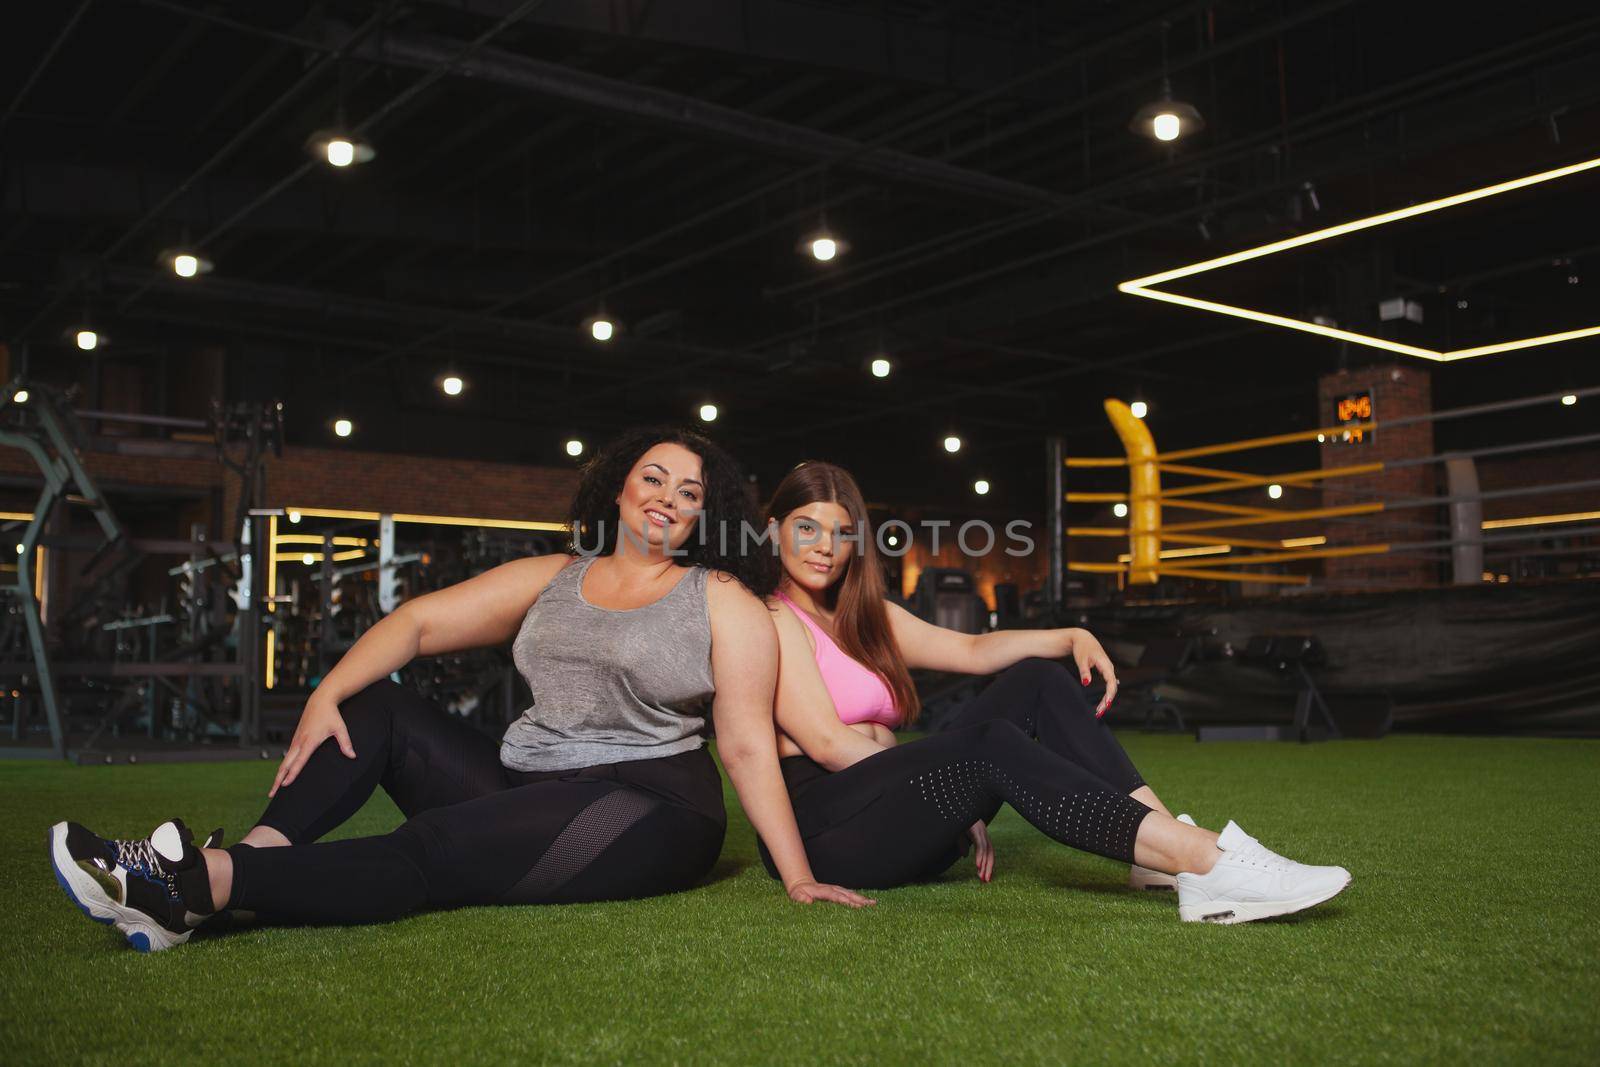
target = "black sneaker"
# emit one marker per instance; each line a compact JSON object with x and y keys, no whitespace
{"x":154,"y":890}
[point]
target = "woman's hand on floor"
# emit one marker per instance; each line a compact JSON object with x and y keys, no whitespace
{"x":812,"y":892}
{"x":985,"y":854}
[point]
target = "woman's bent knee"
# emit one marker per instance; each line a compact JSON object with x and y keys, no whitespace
{"x":378,"y":700}
{"x":386,"y":708}
{"x":1000,"y":734}
{"x":1042,"y":671}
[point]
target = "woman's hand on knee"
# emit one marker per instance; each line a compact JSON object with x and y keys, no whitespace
{"x":1089,"y":655}
{"x":320,"y":721}
{"x":812,"y":892}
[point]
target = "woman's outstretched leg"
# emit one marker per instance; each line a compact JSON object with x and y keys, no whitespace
{"x":158,"y":888}
{"x":551,"y":841}
{"x":555,"y":841}
{"x":883,"y":822}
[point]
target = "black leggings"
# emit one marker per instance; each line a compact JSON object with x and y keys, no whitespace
{"x":1029,"y":740}
{"x":475,"y":831}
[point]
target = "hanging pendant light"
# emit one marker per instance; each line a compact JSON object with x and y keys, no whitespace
{"x":1166,"y":119}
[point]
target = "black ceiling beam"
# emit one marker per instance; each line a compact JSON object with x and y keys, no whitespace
{"x":48,"y":191}
{"x":539,"y":347}
{"x":868,"y":40}
{"x":687,"y":114}
{"x":153,"y":74}
{"x":1044,"y":377}
{"x":493,"y":330}
{"x":45,"y":59}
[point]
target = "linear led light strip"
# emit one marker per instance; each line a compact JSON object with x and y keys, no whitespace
{"x":1540,"y":520}
{"x":1142,"y":286}
{"x":1183,"y":553}
{"x":431,"y":520}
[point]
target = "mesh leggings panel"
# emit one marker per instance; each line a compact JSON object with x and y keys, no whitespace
{"x":1104,"y":822}
{"x":591,"y":832}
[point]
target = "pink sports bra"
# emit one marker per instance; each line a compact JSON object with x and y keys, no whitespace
{"x":859,"y":695}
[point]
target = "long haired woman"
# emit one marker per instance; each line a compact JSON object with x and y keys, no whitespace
{"x":874,"y":814}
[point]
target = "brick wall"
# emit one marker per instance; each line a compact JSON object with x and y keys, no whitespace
{"x":343,"y":478}
{"x":1398,"y":390}
{"x":373,"y":481}
{"x":1548,"y":468}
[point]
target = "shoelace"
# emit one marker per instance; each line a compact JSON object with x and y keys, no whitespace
{"x":140,"y":856}
{"x":1258,"y":855}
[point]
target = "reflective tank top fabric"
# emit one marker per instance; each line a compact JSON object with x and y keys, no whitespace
{"x":859,"y":694}
{"x":610,"y":686}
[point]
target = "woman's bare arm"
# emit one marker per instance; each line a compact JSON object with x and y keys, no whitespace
{"x":481,"y":611}
{"x":744,"y":668}
{"x":935,"y":648}
{"x":804,"y":708}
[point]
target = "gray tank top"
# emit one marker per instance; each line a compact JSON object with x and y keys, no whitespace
{"x":610,"y":686}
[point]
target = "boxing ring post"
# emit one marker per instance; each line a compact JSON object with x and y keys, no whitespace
{"x":1055,"y":515}
{"x":1466,"y":520}
{"x":1144,"y":493}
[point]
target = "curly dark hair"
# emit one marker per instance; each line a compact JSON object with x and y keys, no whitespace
{"x":726,"y":506}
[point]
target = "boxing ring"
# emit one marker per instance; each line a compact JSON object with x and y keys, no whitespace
{"x":1207,"y":554}
{"x":1160,"y":483}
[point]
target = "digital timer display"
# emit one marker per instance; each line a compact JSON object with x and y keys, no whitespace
{"x":1354,"y":408}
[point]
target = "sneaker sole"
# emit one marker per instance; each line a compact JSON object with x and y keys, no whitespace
{"x":1151,"y":881}
{"x":85,"y":892}
{"x":1225,"y":914}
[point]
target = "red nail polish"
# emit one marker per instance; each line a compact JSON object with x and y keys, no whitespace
{"x":1086,"y":679}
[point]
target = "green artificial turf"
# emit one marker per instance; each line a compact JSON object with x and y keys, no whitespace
{"x":1469,"y":933}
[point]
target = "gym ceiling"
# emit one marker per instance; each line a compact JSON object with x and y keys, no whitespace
{"x":664,"y":165}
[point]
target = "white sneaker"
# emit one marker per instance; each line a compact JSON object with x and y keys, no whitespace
{"x":1252,"y":882}
{"x":1144,"y":878}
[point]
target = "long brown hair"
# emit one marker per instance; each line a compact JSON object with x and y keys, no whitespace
{"x":861,"y":617}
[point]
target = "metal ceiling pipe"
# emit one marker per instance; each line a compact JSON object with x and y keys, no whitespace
{"x":44,"y":62}
{"x":687,"y":114}
{"x":655,"y":351}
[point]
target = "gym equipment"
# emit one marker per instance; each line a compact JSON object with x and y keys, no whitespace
{"x":949,"y":598}
{"x":189,"y":670}
{"x":1295,"y":654}
{"x":1162,"y":660}
{"x":1007,"y":606}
